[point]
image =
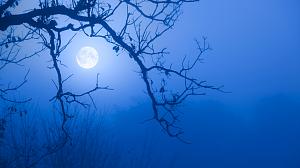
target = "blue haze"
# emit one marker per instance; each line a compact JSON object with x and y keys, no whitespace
{"x":256,"y":56}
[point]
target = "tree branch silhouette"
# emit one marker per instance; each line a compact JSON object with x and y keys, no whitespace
{"x":142,"y":24}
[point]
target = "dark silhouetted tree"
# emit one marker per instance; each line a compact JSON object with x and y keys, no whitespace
{"x":131,"y":26}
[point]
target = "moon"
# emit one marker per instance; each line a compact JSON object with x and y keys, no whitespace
{"x":87,"y":57}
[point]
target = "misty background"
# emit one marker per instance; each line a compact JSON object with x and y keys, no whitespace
{"x":256,"y":56}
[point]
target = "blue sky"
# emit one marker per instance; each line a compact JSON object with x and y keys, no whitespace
{"x":256,"y":56}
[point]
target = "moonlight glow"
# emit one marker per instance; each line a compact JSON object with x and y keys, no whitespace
{"x":87,"y":57}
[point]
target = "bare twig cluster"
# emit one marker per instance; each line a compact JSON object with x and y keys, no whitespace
{"x":142,"y":22}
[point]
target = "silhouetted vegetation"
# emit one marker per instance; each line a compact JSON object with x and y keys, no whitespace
{"x":134,"y":34}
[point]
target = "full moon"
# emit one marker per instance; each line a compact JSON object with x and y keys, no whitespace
{"x":87,"y":57}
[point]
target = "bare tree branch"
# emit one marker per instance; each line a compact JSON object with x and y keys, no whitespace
{"x":144,"y":22}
